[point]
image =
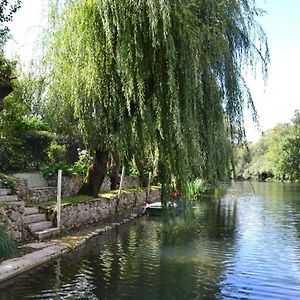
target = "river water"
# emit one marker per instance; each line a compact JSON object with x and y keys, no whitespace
{"x":244,"y":245}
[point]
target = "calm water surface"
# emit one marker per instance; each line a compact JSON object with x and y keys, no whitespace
{"x":245,"y":245}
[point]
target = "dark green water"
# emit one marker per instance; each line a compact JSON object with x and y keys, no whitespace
{"x":245,"y":245}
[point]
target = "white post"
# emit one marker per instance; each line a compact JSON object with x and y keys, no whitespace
{"x":58,"y":207}
{"x":149,"y":185}
{"x":121,"y":182}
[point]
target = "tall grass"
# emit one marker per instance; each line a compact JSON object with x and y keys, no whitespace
{"x":8,"y":247}
{"x":196,"y":188}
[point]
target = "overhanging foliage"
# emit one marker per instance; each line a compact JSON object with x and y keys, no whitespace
{"x":155,"y":78}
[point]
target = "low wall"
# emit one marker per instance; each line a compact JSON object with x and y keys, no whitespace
{"x":101,"y":209}
{"x":11,"y":217}
{"x":70,"y":186}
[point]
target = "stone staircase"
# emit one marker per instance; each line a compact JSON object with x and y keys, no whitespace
{"x":6,"y":196}
{"x":38,"y":189}
{"x":38,"y":224}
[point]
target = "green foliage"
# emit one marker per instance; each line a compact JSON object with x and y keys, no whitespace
{"x":285,"y":151}
{"x":197,"y":187}
{"x":7,"y":10}
{"x":23,"y":137}
{"x":155,"y":78}
{"x":276,"y":154}
{"x":8,"y":247}
{"x":79,"y":167}
{"x":56,"y":153}
{"x":7,"y":181}
{"x":84,"y":162}
{"x":51,"y":170}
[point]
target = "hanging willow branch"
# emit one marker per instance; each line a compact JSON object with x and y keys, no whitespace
{"x":156,"y":78}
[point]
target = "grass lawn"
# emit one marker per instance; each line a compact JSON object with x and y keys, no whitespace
{"x":84,"y":198}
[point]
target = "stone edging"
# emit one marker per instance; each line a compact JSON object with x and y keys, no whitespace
{"x":48,"y":251}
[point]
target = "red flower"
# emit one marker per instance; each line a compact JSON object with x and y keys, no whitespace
{"x":174,"y":194}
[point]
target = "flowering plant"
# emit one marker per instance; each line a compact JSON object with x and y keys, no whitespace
{"x":174,"y":194}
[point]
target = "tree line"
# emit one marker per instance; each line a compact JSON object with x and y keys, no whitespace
{"x":276,"y":155}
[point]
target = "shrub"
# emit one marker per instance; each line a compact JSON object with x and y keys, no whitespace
{"x":7,"y":181}
{"x":51,"y":170}
{"x":56,"y":153}
{"x":8,"y":247}
{"x":196,"y":188}
{"x":85,"y":160}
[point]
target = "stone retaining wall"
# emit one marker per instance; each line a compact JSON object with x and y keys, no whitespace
{"x":101,"y":209}
{"x":11,"y":217}
{"x":70,"y":186}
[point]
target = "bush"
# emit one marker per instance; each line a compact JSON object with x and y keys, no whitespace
{"x":51,"y":170}
{"x":7,"y":181}
{"x":196,"y":188}
{"x":84,"y":162}
{"x":8,"y":247}
{"x":56,"y":153}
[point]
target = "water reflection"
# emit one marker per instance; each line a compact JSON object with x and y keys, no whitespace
{"x":243,"y":245}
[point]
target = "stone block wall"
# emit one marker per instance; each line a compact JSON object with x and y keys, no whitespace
{"x":11,"y":217}
{"x":70,"y":186}
{"x":100,"y":209}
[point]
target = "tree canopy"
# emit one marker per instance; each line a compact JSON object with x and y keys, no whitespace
{"x":6,"y":67}
{"x":275,"y":155}
{"x":157,"y":79}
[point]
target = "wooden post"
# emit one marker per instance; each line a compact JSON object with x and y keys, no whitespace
{"x":58,"y":208}
{"x":121,"y":182}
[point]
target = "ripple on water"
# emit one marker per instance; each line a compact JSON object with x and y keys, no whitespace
{"x":243,"y":246}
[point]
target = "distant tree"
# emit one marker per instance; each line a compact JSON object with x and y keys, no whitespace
{"x":7,"y":9}
{"x":276,"y":154}
{"x":286,"y":155}
{"x":156,"y":79}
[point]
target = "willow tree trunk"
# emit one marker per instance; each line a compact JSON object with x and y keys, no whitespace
{"x":96,"y":175}
{"x":115,"y":171}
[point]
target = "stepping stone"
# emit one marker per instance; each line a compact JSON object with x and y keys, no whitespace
{"x":34,"y":218}
{"x":50,"y":232}
{"x":9,"y":198}
{"x":31,"y":211}
{"x":40,"y":226}
{"x":4,"y":192}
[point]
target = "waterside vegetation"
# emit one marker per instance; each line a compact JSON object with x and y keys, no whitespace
{"x":276,"y":156}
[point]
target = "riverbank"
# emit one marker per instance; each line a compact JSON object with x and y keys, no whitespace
{"x":42,"y":252}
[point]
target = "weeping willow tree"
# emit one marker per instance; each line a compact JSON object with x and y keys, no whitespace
{"x":155,"y":79}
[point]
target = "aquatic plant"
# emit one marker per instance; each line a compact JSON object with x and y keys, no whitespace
{"x":196,"y":188}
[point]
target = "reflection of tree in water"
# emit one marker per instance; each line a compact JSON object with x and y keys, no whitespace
{"x":172,"y":257}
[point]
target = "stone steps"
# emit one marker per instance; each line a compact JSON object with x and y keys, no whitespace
{"x":31,"y":210}
{"x":39,"y":226}
{"x":43,"y":234}
{"x":34,"y":218}
{"x":4,"y":191}
{"x":8,"y":198}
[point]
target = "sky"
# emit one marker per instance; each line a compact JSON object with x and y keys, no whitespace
{"x":275,"y":102}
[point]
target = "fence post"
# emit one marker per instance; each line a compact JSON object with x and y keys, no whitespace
{"x":58,"y":207}
{"x":149,"y":185}
{"x":121,"y":182}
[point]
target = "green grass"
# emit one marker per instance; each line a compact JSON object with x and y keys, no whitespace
{"x":111,"y":194}
{"x":84,"y":198}
{"x":68,"y":200}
